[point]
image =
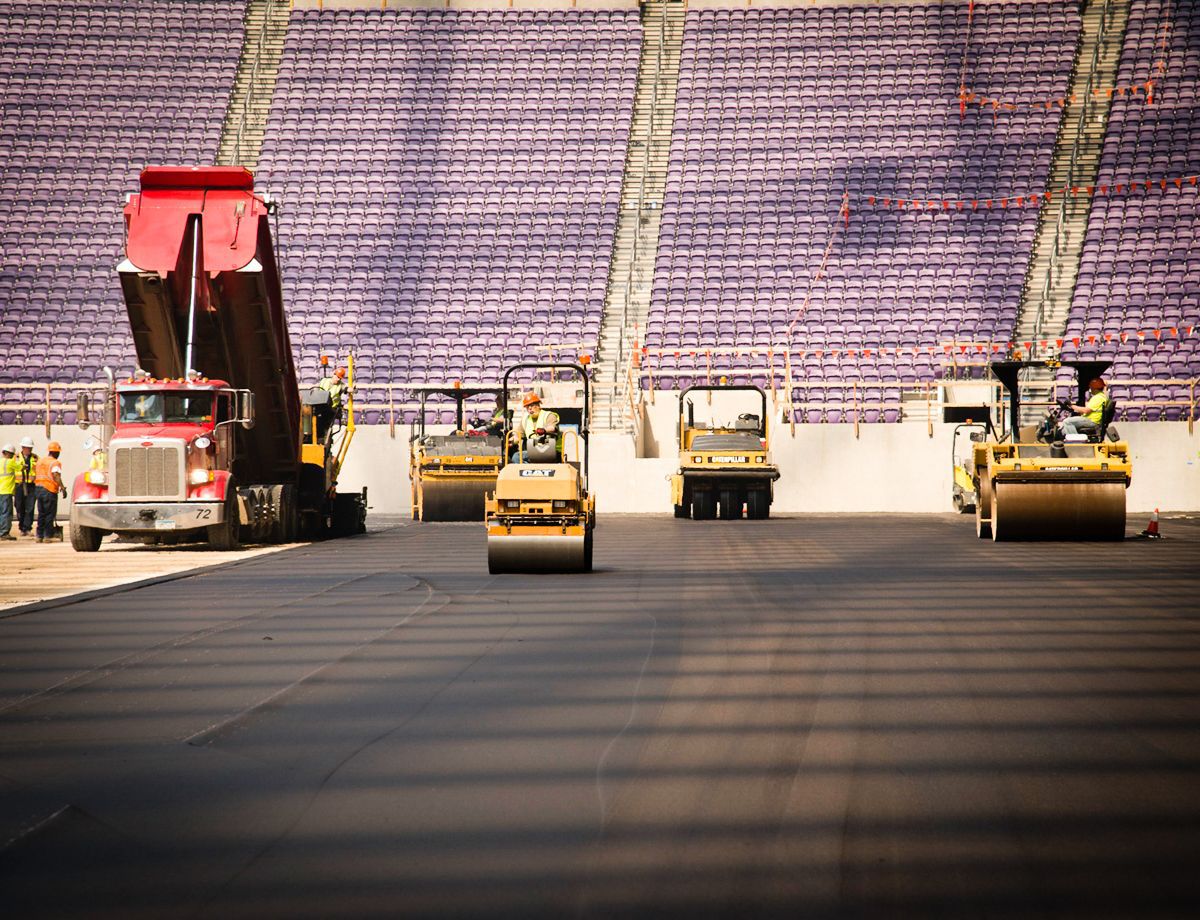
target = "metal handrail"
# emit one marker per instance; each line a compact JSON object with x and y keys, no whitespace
{"x":1073,"y":166}
{"x":647,"y":139}
{"x":251,"y":89}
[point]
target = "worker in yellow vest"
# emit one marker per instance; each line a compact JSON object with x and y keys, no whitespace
{"x":49,"y":483}
{"x":24,"y":490}
{"x":1090,"y":414}
{"x":539,"y":424}
{"x":8,"y":471}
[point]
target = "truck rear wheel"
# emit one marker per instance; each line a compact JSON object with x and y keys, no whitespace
{"x":225,"y":536}
{"x":704,"y":505}
{"x":284,"y":520}
{"x":85,"y":539}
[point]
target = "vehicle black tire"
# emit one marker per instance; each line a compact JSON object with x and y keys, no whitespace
{"x":758,"y":504}
{"x":683,"y":511}
{"x":349,"y":515}
{"x":587,"y":551}
{"x":226,"y":536}
{"x":284,"y":520}
{"x":731,"y":504}
{"x":704,"y":505}
{"x":85,"y":539}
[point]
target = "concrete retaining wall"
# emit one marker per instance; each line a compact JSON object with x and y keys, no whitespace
{"x":888,"y":468}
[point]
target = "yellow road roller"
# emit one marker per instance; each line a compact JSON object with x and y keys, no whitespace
{"x":451,"y":474}
{"x":1034,"y":484}
{"x":541,"y":516}
{"x":723,"y":468}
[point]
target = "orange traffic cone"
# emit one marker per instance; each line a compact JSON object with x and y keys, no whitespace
{"x":1151,"y":532}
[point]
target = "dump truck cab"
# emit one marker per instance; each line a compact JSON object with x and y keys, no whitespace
{"x":541,"y":516}
{"x":723,"y":466}
{"x":167,"y":463}
{"x":1030,"y":489}
{"x":452,"y":474}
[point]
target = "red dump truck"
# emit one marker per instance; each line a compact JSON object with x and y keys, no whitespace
{"x":210,"y":437}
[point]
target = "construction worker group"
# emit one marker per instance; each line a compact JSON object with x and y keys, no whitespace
{"x":29,"y":484}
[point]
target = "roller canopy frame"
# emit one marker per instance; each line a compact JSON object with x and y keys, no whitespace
{"x":459,"y":394}
{"x":726,"y":388}
{"x":1008,"y":373}
{"x":584,"y":417}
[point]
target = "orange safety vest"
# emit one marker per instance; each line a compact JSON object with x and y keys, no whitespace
{"x":44,"y":477}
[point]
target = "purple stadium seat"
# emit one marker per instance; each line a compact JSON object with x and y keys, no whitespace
{"x":772,"y":127}
{"x":481,"y":199}
{"x":76,"y":132}
{"x":1141,"y":259}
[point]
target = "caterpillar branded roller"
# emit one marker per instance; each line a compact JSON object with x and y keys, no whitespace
{"x":541,"y":516}
{"x":211,"y":437}
{"x":723,"y":468}
{"x":1032,"y":484}
{"x":452,"y":474}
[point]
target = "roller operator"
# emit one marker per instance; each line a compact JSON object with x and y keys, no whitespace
{"x":538,"y":421}
{"x":1089,"y":417}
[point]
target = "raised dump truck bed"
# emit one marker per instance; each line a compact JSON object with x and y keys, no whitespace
{"x":209,"y":219}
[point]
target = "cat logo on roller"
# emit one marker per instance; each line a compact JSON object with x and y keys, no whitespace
{"x":541,"y":516}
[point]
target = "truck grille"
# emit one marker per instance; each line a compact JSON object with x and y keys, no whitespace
{"x":144,"y":472}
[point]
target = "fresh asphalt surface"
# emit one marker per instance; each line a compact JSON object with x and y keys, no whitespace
{"x":809,"y":716}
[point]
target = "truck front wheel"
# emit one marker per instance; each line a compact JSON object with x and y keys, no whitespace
{"x":85,"y":539}
{"x":224,"y":536}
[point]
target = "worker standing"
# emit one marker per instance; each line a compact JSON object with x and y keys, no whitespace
{"x":8,"y":475}
{"x":49,"y":483}
{"x":24,"y":490}
{"x":1091,"y":416}
{"x":335,"y":386}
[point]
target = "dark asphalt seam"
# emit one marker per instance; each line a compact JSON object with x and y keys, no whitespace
{"x":204,"y":735}
{"x":100,"y":672}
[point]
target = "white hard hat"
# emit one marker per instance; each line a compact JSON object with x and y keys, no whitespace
{"x":26,"y":442}
{"x":8,"y":449}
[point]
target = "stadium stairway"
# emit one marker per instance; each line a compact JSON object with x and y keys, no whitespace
{"x":245,"y":124}
{"x":631,"y":272}
{"x":1062,"y":221}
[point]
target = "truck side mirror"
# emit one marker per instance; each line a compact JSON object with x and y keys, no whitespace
{"x":81,"y":411}
{"x":247,"y":410}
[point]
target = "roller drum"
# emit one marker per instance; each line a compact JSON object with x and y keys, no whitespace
{"x":538,"y":554}
{"x":445,"y":500}
{"x":1058,"y":511}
